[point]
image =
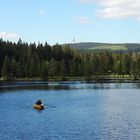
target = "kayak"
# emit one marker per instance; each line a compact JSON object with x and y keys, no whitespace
{"x":39,"y":107}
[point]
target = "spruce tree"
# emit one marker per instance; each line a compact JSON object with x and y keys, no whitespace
{"x":6,"y":68}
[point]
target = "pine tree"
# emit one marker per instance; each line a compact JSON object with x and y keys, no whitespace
{"x":6,"y":68}
{"x":14,"y":68}
{"x":44,"y":70}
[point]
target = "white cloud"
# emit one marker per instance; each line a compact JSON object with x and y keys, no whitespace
{"x":83,"y":20}
{"x":42,"y":12}
{"x":116,"y":8}
{"x":7,"y":35}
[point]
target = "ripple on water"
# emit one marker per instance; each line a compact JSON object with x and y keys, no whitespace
{"x":76,"y":113}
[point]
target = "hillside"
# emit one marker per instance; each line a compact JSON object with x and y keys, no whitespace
{"x":106,"y":46}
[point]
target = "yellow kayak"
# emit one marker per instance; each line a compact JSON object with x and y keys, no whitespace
{"x":39,"y":107}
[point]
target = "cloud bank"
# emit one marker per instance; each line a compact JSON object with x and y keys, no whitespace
{"x":116,"y":8}
{"x":7,"y":35}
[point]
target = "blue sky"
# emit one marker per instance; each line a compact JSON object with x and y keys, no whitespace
{"x":59,"y":21}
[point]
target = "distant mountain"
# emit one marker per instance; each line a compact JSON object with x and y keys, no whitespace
{"x":89,"y":46}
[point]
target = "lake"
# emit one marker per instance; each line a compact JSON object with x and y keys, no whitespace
{"x":73,"y":111}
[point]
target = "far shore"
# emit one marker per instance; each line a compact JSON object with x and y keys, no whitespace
{"x":90,"y":79}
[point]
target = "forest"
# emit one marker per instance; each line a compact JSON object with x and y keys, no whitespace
{"x":24,"y":60}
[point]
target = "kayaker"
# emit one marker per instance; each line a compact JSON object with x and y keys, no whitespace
{"x":38,"y":102}
{"x":38,"y":105}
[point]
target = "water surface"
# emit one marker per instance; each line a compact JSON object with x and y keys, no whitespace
{"x":73,"y":111}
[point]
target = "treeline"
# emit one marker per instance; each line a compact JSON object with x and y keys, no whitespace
{"x":23,"y":60}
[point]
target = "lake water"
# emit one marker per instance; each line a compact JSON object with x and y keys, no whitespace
{"x":73,"y":111}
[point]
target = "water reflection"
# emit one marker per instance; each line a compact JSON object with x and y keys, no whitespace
{"x":65,"y":85}
{"x":39,"y":111}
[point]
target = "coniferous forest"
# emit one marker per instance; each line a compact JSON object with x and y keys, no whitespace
{"x":23,"y":60}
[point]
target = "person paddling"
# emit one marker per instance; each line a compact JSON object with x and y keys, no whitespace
{"x":38,"y":105}
{"x":38,"y":102}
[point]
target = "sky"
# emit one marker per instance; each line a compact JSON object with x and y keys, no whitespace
{"x":67,"y":21}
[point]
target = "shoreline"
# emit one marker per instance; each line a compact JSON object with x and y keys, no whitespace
{"x":74,"y":79}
